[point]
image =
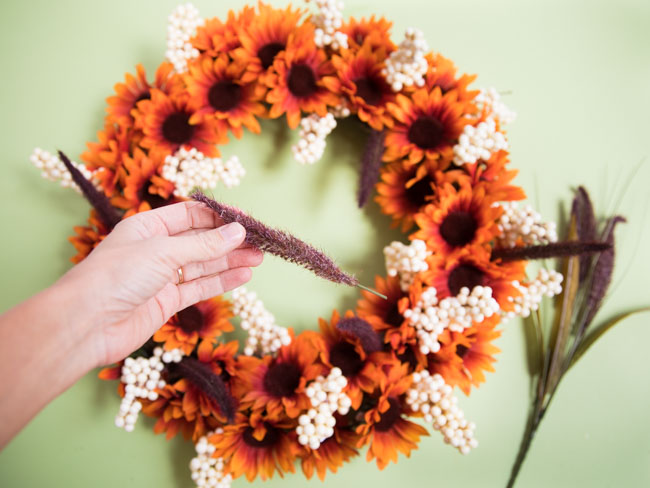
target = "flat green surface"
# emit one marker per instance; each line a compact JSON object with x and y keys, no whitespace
{"x":579,"y":73}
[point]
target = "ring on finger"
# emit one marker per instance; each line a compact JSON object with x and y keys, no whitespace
{"x":181,"y":278}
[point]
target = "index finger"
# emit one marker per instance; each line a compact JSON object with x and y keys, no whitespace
{"x":176,"y":218}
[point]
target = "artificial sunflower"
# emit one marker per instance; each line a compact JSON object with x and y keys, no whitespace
{"x":204,"y":320}
{"x":427,"y":127}
{"x":331,"y":454}
{"x":257,"y":446}
{"x":459,"y":218}
{"x":345,"y":351}
{"x":494,"y":174}
{"x":359,"y":78}
{"x":441,"y":72}
{"x":135,"y":88}
{"x":88,"y":236}
{"x":215,"y":37}
{"x":278,"y":383}
{"x":217,"y":92}
{"x":472,"y":267}
{"x":373,"y":32}
{"x":297,"y":84}
{"x":464,"y":356}
{"x":385,"y":429}
{"x":266,"y":36}
{"x":165,"y":120}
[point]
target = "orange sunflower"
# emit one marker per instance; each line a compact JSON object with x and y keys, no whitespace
{"x":472,"y":267}
{"x":404,"y":190}
{"x":166,"y":125}
{"x":331,"y":454}
{"x":277,"y":384}
{"x":205,"y":320}
{"x":106,"y":157}
{"x":144,"y":188}
{"x":215,"y":37}
{"x":427,"y":127}
{"x":385,"y":429}
{"x":297,"y":84}
{"x":135,"y":88}
{"x":494,"y":174}
{"x":88,"y":237}
{"x":345,"y":351}
{"x":257,"y":446}
{"x":266,"y":36}
{"x":442,"y":73}
{"x":458,"y":219}
{"x":216,"y":89}
{"x":373,"y":32}
{"x":464,"y":356}
{"x":358,"y":76}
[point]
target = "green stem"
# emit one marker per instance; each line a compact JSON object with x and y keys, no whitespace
{"x":531,"y":429}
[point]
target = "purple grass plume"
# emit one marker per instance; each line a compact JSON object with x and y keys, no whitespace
{"x":279,"y":243}
{"x":603,"y":271}
{"x":552,"y":250}
{"x":586,"y":226}
{"x":107,"y":213}
{"x":363,"y":331}
{"x":202,"y":377}
{"x":370,"y":166}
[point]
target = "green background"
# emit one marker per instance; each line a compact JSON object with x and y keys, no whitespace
{"x":579,"y":77}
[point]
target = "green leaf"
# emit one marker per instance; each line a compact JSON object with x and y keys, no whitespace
{"x":564,"y":315}
{"x":600,"y":330}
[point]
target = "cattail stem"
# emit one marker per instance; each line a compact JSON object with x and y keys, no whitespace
{"x":374,"y":292}
{"x":552,"y":250}
{"x":97,"y":199}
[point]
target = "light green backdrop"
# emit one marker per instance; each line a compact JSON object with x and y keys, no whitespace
{"x":579,"y":73}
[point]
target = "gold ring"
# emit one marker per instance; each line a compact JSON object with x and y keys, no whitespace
{"x":179,"y":271}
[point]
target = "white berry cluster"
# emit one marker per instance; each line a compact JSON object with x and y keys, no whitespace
{"x":181,"y":27}
{"x":548,"y":283}
{"x":53,"y":169}
{"x":523,"y":223}
{"x":433,"y":397}
{"x":479,"y":142}
{"x":327,"y":21}
{"x":208,"y":471}
{"x":189,"y":169}
{"x":142,"y":377}
{"x":490,"y":100}
{"x":313,"y":132}
{"x":340,"y":111}
{"x":264,"y":335}
{"x":407,"y":65}
{"x":430,"y":317}
{"x":406,"y":261}
{"x":327,"y":398}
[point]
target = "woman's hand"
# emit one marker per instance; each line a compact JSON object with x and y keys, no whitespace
{"x":128,"y":287}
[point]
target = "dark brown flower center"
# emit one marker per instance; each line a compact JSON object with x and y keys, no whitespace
{"x":418,"y":192}
{"x":224,"y":95}
{"x":393,"y":317}
{"x":282,"y":379}
{"x":461,"y":350}
{"x":390,"y":416}
{"x":270,"y":438}
{"x":302,"y":81}
{"x":426,"y":132}
{"x":268,"y":52}
{"x":458,"y":228}
{"x":344,"y":356}
{"x":370,"y":90}
{"x":464,"y":275}
{"x":177,"y":129}
{"x":408,"y":356}
{"x":190,"y":319}
{"x":153,"y":199}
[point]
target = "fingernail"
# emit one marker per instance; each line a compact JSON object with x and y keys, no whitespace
{"x":232,"y":232}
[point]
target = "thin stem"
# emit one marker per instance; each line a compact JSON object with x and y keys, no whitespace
{"x":374,"y":292}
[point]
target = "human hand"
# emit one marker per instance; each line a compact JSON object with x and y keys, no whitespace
{"x":128,"y":287}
